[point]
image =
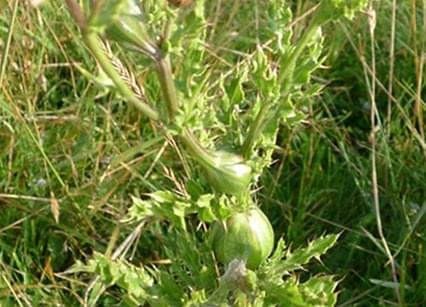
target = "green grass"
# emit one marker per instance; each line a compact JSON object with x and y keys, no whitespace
{"x":66,"y":140}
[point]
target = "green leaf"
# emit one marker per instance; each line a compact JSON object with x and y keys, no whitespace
{"x":198,"y":298}
{"x":136,"y":281}
{"x":165,"y":205}
{"x":317,"y":291}
{"x":232,"y":88}
{"x":205,"y":209}
{"x":189,"y":33}
{"x":283,"y":294}
{"x":191,"y":266}
{"x":160,"y":205}
{"x":294,"y":261}
{"x":335,"y":9}
{"x":279,"y":251}
{"x":320,"y":291}
{"x":279,"y":14}
{"x":315,"y":249}
{"x":264,"y":75}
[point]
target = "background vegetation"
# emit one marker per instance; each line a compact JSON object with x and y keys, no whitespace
{"x":71,"y":155}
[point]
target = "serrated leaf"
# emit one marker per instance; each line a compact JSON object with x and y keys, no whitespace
{"x":335,"y":9}
{"x":280,"y":14}
{"x":232,"y":88}
{"x":320,"y":291}
{"x":189,"y":33}
{"x":279,"y":251}
{"x":135,"y":280}
{"x":264,"y":75}
{"x":205,"y":210}
{"x":161,"y":205}
{"x":283,"y":294}
{"x":295,"y":260}
{"x":165,"y":205}
{"x":197,"y":298}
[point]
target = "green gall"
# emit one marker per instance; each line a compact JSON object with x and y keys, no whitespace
{"x":228,"y":173}
{"x":247,"y":236}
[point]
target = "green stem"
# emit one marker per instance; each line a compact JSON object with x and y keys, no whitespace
{"x":195,"y":149}
{"x":168,"y":88}
{"x":255,"y":131}
{"x":94,"y":45}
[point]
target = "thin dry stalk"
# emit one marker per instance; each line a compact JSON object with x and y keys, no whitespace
{"x":391,"y":64}
{"x":418,"y":110}
{"x":375,"y":187}
{"x":419,"y":59}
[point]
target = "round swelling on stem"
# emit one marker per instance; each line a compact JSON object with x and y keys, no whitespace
{"x":246,"y":236}
{"x":226,"y":172}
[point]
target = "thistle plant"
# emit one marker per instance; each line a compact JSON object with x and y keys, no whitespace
{"x":273,"y":79}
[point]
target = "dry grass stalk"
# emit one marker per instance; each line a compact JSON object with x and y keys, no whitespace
{"x":125,"y":73}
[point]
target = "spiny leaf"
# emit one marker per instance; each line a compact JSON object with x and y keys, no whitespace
{"x":335,"y":9}
{"x":284,"y":294}
{"x":279,"y":251}
{"x":320,"y":291}
{"x":294,"y":261}
{"x":135,"y":280}
{"x":161,"y":205}
{"x":315,"y":249}
{"x":165,"y":205}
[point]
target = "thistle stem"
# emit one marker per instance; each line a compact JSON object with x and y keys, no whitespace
{"x":92,"y":41}
{"x":195,"y":149}
{"x":168,"y":88}
{"x":76,"y":12}
{"x":255,"y":131}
